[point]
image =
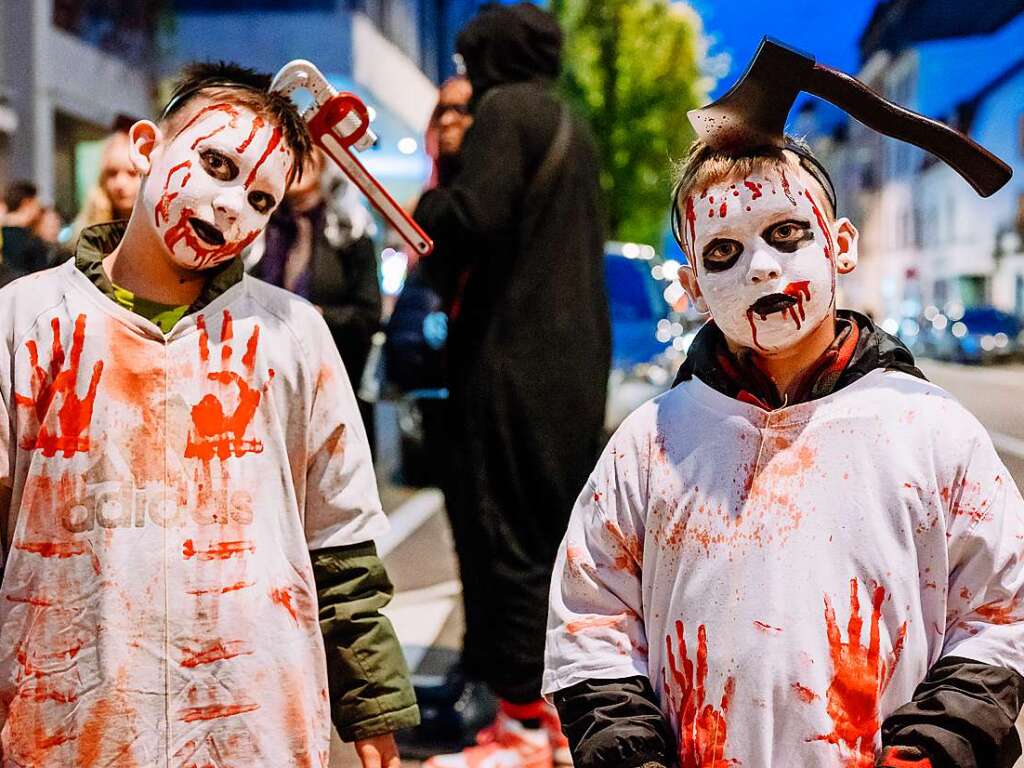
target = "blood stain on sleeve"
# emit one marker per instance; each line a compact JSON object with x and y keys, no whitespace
{"x":578,"y":563}
{"x":595,"y":622}
{"x":630,"y":555}
{"x":1000,"y":612}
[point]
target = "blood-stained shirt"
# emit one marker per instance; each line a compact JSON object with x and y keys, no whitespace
{"x":785,"y":579}
{"x":158,"y":604}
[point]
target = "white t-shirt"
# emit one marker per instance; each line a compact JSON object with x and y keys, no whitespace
{"x":158,"y":603}
{"x":786,"y":579}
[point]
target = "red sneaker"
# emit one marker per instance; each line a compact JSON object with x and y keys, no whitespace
{"x":506,"y":744}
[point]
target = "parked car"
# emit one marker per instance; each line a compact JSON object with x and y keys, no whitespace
{"x":981,"y":334}
{"x":645,"y":353}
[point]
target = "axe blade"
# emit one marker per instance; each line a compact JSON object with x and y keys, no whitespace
{"x":754,"y":111}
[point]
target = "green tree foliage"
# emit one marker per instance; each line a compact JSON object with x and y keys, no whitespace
{"x":633,"y":69}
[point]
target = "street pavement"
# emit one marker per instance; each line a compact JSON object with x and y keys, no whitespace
{"x":419,"y":555}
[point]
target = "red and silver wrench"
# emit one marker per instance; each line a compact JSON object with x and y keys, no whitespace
{"x":340,"y":125}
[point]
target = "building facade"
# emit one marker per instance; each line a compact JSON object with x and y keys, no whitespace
{"x":927,"y":239}
{"x":68,"y":70}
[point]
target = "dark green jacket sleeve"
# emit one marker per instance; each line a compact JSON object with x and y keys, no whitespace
{"x":367,"y":675}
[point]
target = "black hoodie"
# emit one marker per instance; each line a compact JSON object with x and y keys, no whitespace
{"x":510,"y":44}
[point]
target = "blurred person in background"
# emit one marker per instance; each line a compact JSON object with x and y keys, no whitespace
{"x":318,"y":245}
{"x":48,"y":228}
{"x":528,"y":355}
{"x":22,"y":251}
{"x":113,"y":195}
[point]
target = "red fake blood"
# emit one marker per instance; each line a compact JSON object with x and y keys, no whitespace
{"x":257,"y":123}
{"x":209,"y":135}
{"x":215,"y":711}
{"x":219,"y":590}
{"x":75,"y":413}
{"x":631,"y":551}
{"x":283,"y":597}
{"x":800,"y":291}
{"x":805,"y":694}
{"x":215,"y":651}
{"x":767,"y":628}
{"x":109,"y":731}
{"x":722,"y":209}
{"x":1000,"y":612}
{"x":786,"y":190}
{"x":691,"y":220}
{"x":594,"y":622}
{"x":59,"y":549}
{"x":702,"y":728}
{"x":218,"y":428}
{"x":226,"y":108}
{"x":163,"y":206}
{"x":860,"y":676}
{"x":206,"y":255}
{"x":821,"y":225}
{"x":753,"y":326}
{"x":221,"y":550}
{"x":275,"y":137}
{"x":755,"y":190}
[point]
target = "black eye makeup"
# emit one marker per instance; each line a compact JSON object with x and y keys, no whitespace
{"x":261,"y":201}
{"x":218,"y":165}
{"x":720,"y":254}
{"x":789,"y":235}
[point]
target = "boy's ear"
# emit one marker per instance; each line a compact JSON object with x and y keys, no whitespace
{"x":846,"y":246}
{"x":688,"y":278}
{"x":142,"y":140}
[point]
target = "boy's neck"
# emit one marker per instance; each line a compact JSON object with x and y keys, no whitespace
{"x":786,"y":368}
{"x":140,"y":264}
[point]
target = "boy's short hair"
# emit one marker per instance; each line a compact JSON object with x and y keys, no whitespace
{"x":245,"y":87}
{"x":704,"y":165}
{"x":18,"y":192}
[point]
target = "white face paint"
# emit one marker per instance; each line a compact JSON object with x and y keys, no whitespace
{"x":213,"y":185}
{"x":765,"y":258}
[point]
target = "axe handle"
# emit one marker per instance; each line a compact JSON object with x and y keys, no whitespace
{"x":979,"y":167}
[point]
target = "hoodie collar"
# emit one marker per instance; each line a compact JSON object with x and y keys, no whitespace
{"x":100,"y":239}
{"x":859,"y":348}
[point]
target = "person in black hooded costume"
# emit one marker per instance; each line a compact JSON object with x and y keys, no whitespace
{"x":529,"y":353}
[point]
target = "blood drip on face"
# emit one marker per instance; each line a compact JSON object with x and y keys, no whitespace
{"x":822,"y":225}
{"x":801,"y":291}
{"x":691,"y":220}
{"x":755,"y":189}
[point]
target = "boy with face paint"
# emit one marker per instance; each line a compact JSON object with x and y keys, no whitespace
{"x":804,"y":553}
{"x":186,"y":491}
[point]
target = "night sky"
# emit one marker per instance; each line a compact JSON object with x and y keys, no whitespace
{"x":828,"y":31}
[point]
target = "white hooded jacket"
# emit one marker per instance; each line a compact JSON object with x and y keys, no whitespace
{"x":786,"y":579}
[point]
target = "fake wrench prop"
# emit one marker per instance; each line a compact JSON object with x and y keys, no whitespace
{"x":340,"y":125}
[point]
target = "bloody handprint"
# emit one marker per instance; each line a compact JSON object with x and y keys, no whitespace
{"x":860,"y":676}
{"x":74,"y":413}
{"x":702,"y":728}
{"x":220,"y":430}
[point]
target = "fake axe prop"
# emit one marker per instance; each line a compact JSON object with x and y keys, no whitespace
{"x":340,"y":125}
{"x":753,"y":113}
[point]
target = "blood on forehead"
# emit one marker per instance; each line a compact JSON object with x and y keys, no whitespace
{"x":236,"y":115}
{"x":771,"y":191}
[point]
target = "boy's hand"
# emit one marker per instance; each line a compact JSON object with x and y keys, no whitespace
{"x":378,"y":752}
